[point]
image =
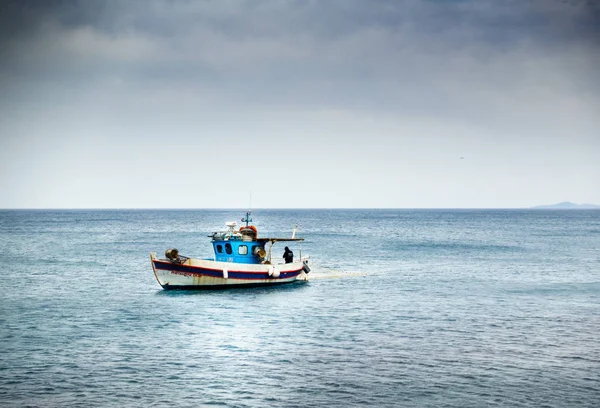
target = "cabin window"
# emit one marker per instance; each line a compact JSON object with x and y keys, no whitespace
{"x":220,"y":248}
{"x":243,"y":250}
{"x":228,"y":249}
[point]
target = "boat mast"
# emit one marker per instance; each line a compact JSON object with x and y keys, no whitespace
{"x":247,"y":218}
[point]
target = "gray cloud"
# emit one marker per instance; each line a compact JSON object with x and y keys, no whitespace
{"x":474,"y":71}
{"x":545,"y":20}
{"x":413,"y":55}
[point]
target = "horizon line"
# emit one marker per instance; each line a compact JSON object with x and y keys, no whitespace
{"x":544,"y":207}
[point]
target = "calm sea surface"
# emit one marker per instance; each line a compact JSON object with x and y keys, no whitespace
{"x":404,"y":309}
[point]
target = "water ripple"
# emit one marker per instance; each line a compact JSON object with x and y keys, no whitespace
{"x":440,"y":309}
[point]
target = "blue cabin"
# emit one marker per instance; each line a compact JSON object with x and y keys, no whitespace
{"x":238,"y":251}
{"x":239,"y":246}
{"x":243,"y":246}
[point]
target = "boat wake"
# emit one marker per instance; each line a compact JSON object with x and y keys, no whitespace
{"x":326,"y":273}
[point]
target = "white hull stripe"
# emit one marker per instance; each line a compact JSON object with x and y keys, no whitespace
{"x":183,"y":270}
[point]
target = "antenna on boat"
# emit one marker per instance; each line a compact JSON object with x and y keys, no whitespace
{"x":247,"y":218}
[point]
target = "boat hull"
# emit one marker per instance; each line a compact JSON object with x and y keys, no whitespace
{"x":208,"y":274}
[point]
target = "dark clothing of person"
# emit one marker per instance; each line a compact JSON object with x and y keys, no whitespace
{"x":288,"y":255}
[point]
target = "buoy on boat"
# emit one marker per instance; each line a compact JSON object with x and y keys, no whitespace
{"x":274,"y":272}
{"x":248,"y":228}
{"x":260,"y":252}
{"x":225,"y":273}
{"x":249,"y":233}
{"x":172,"y":254}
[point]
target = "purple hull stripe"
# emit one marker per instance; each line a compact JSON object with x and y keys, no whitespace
{"x":218,"y":273}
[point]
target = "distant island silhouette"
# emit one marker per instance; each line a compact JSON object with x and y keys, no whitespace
{"x":567,"y":205}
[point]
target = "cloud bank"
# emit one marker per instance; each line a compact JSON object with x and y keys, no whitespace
{"x":366,"y":104}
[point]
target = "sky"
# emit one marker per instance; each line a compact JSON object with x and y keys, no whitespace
{"x":299,"y":104}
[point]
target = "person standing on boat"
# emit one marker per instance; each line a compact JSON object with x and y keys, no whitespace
{"x":288,"y":255}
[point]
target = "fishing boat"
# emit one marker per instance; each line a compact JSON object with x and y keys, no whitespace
{"x":241,"y":258}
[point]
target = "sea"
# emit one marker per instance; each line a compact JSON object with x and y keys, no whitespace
{"x":404,"y":308}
